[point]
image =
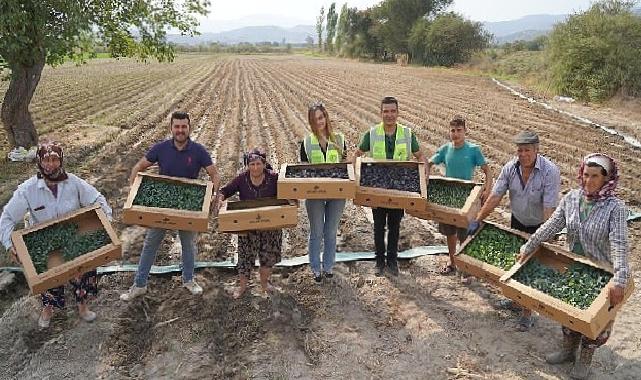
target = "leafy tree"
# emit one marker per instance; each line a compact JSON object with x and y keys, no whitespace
{"x":309,"y":40}
{"x":595,"y":54}
{"x":332,"y":19}
{"x":320,"y":19}
{"x":395,"y":19}
{"x":342,"y":26}
{"x":34,"y":33}
{"x":448,"y":40}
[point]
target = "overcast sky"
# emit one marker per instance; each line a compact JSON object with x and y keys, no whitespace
{"x":238,"y":13}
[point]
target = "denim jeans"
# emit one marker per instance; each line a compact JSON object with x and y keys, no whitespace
{"x":153,"y":238}
{"x":391,"y":217}
{"x":324,"y":216}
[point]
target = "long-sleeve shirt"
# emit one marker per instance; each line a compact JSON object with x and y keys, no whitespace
{"x":246,"y":190}
{"x":529,"y":199}
{"x":603,"y":235}
{"x":35,"y":197}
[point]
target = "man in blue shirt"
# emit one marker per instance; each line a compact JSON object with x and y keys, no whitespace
{"x":460,"y":158}
{"x":534,"y":184}
{"x":176,"y":157}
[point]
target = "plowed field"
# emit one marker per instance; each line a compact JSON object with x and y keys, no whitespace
{"x":109,"y":113}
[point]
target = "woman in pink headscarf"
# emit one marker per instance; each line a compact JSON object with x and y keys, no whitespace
{"x":596,"y":221}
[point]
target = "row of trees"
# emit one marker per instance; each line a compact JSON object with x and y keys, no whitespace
{"x":419,"y":28}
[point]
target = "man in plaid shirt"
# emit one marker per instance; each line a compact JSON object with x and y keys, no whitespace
{"x":596,"y":221}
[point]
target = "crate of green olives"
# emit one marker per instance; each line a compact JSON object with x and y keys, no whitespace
{"x":490,"y":252}
{"x":565,"y":287}
{"x":54,"y":252}
{"x":173,"y":203}
{"x":390,"y":184}
{"x":451,"y":201}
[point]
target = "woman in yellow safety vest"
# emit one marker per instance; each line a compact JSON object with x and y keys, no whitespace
{"x":322,"y":145}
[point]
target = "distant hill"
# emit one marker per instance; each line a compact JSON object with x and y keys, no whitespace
{"x":252,"y":34}
{"x":526,"y":35}
{"x":526,"y":28}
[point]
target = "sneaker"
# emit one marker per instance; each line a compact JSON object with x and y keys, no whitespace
{"x":133,"y":292}
{"x":88,"y":316}
{"x":380,"y":271}
{"x":318,"y":278}
{"x":193,"y":287}
{"x":329,"y":275}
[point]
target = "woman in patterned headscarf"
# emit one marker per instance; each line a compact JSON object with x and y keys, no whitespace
{"x":596,"y":221}
{"x":258,"y":181}
{"x":48,"y":195}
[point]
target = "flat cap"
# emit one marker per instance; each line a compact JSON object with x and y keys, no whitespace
{"x":526,"y":137}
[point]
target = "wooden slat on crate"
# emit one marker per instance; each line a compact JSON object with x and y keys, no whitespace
{"x":589,"y":322}
{"x":316,"y":188}
{"x":164,"y":217}
{"x":447,"y":215}
{"x":259,"y":214}
{"x":397,"y":199}
{"x":89,"y":218}
{"x":478,"y":268}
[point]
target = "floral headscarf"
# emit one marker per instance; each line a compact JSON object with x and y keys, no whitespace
{"x":46,"y":150}
{"x":609,"y":164}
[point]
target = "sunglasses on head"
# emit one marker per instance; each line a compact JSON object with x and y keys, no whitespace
{"x":316,"y":105}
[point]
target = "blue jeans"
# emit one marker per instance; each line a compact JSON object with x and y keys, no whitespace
{"x":324,"y":216}
{"x":153,"y":238}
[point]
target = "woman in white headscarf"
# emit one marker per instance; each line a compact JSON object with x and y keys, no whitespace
{"x":596,"y":222}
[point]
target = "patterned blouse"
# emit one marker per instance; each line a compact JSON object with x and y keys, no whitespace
{"x":603,"y":235}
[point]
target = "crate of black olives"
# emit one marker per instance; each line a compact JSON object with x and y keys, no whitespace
{"x":316,"y":181}
{"x":54,"y":252}
{"x":451,"y":201}
{"x":174,"y":203}
{"x":390,"y":184}
{"x":565,"y":287}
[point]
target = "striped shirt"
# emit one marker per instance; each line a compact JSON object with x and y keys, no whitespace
{"x":603,"y":234}
{"x":527,"y":200}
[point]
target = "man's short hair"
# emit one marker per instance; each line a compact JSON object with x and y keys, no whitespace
{"x":179,"y":115}
{"x":457,"y":121}
{"x":389,"y":100}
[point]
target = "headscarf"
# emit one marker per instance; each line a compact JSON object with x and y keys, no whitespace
{"x":46,"y":150}
{"x":256,"y":154}
{"x":609,"y":187}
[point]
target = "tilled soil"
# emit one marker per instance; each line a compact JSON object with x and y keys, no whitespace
{"x":420,"y":325}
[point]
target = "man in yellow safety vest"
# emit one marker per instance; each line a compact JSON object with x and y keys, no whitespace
{"x":392,"y":141}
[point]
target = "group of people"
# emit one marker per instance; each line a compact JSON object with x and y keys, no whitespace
{"x":594,"y":217}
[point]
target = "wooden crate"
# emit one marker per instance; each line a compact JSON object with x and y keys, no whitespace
{"x":377,"y":197}
{"x":478,"y":268}
{"x":589,"y":322}
{"x":259,"y":214}
{"x":456,"y":217}
{"x":59,"y":272}
{"x":166,"y":218}
{"x":316,"y":188}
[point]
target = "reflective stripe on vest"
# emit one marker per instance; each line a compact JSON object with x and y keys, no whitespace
{"x":402,"y":148}
{"x":315,"y":153}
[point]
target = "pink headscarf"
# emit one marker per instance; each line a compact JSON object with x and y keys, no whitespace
{"x":608,"y":189}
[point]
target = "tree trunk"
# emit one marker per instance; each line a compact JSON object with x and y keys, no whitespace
{"x":15,"y":114}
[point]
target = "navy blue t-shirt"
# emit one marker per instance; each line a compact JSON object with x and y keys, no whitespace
{"x":184,"y":163}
